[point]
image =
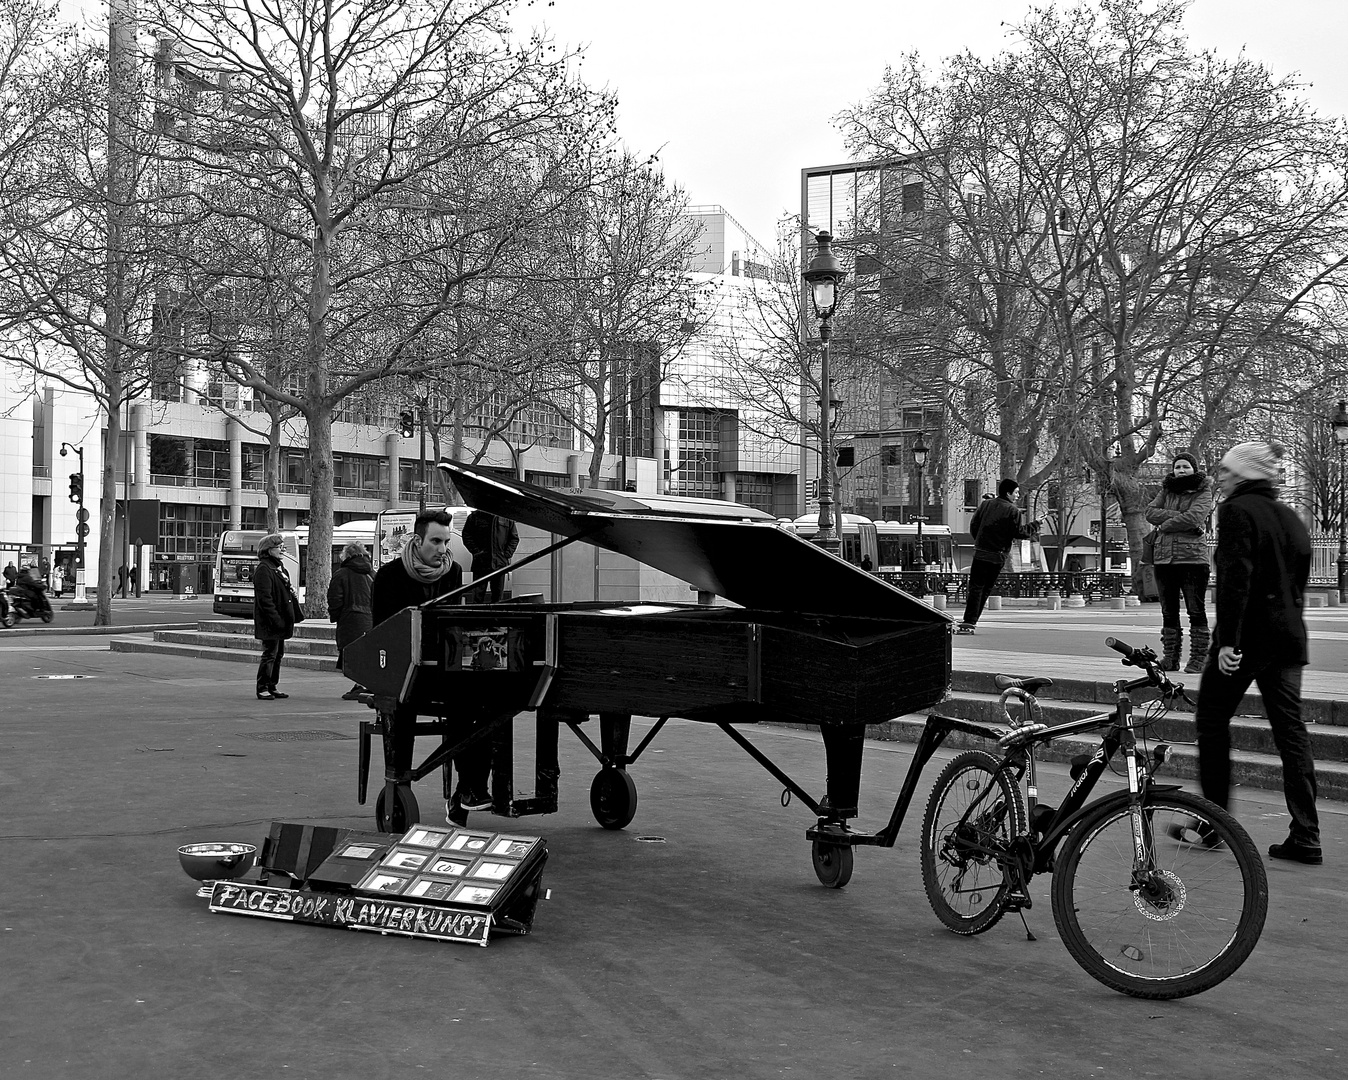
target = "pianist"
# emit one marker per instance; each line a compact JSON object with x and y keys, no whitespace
{"x":426,"y":570}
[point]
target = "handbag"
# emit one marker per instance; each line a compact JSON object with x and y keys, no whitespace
{"x":1149,"y":548}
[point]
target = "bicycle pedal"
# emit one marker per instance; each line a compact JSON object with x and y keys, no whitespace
{"x":1019,"y":902}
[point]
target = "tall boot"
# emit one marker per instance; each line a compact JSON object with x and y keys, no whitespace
{"x":1199,"y":639}
{"x":1172,"y":640}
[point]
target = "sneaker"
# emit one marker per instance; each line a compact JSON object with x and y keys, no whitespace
{"x":353,"y":694}
{"x":965,"y":628}
{"x":1197,"y":834}
{"x":1294,"y":852}
{"x":265,"y":695}
{"x":277,"y":694}
{"x":455,"y":814}
{"x":475,"y":802}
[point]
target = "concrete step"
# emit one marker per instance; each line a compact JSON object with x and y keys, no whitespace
{"x":315,"y":628}
{"x":1329,"y":742}
{"x":1314,"y":710}
{"x":1248,"y":768}
{"x":209,"y":652}
{"x":296,"y":645}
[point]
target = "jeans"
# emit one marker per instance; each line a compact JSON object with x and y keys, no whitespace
{"x":982,"y":576}
{"x":473,"y":764}
{"x":269,"y":668}
{"x":1218,"y":698}
{"x":1189,"y":580}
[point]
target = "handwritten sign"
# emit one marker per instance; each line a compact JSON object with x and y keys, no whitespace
{"x":435,"y":921}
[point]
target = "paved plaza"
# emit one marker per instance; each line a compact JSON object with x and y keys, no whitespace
{"x":695,"y":943}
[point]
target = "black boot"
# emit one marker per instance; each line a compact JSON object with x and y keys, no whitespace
{"x":1172,"y":640}
{"x":1199,"y":639}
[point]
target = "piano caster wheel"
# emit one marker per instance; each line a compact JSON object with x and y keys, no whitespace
{"x":613,"y":798}
{"x":832,"y":863}
{"x":405,"y":812}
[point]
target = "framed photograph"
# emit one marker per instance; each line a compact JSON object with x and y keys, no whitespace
{"x":422,"y":836}
{"x":512,"y":847}
{"x":493,"y":869}
{"x":469,"y":892}
{"x":447,"y":865}
{"x":365,"y":852}
{"x":400,"y":859}
{"x":429,"y":888}
{"x":475,"y":843}
{"x":384,"y":881}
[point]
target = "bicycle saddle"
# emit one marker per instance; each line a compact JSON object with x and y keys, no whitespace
{"x":1030,"y":686}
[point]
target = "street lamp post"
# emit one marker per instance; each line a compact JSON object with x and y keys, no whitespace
{"x":920,"y":450}
{"x":823,"y":277}
{"x":1340,"y":422}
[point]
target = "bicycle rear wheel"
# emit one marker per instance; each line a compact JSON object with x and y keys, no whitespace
{"x":972,"y":816}
{"x":1193,"y":920}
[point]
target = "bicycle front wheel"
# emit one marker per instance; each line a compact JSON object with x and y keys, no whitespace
{"x":1180,"y":926}
{"x":972,"y":816}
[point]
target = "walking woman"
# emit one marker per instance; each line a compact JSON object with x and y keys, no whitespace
{"x":274,"y":609}
{"x":1180,"y":513}
{"x":349,"y":601}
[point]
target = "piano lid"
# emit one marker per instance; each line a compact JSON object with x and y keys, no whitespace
{"x":719,"y":547}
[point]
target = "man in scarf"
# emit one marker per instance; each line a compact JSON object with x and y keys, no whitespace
{"x":426,"y":570}
{"x":1263,"y":563}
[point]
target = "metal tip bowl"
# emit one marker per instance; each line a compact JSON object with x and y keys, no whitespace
{"x":217,"y":861}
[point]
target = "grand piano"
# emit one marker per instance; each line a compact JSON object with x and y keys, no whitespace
{"x":810,"y":638}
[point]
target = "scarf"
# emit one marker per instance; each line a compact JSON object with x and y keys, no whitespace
{"x":418,"y":569}
{"x":1180,"y":485}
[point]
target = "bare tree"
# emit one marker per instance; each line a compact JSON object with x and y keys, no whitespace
{"x":1118,"y":221}
{"x":395,"y":150}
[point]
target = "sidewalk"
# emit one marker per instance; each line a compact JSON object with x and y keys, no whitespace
{"x":696,"y":943}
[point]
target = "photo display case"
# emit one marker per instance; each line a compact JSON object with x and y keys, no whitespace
{"x":471,"y":868}
{"x":444,"y":884}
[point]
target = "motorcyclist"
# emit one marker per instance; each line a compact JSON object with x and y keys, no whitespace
{"x":29,"y":591}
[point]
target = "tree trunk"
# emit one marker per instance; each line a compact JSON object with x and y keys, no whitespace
{"x":319,"y":569}
{"x":271,"y":482}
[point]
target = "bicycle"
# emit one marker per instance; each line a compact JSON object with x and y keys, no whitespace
{"x":1156,"y":892}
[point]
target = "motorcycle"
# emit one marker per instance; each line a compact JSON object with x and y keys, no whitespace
{"x":16,"y":605}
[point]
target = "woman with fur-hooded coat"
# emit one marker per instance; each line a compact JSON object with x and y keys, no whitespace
{"x":1180,"y":513}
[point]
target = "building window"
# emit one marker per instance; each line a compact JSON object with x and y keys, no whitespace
{"x":973,"y":492}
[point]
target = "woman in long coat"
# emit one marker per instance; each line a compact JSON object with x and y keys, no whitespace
{"x":1180,"y":513}
{"x":349,"y":601}
{"x":274,"y":605}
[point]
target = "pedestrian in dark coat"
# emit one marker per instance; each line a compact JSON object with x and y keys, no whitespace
{"x":492,"y":541}
{"x":1263,"y":562}
{"x":1180,"y":513}
{"x":995,"y":526}
{"x":274,"y":609}
{"x":349,"y":601}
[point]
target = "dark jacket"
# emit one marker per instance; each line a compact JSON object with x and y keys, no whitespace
{"x":395,"y":589}
{"x":995,"y":526}
{"x":273,"y":615}
{"x":1180,"y":513}
{"x":1263,"y":562}
{"x":349,"y":599}
{"x":491,"y":539}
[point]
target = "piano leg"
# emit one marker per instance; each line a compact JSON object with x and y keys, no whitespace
{"x":843,"y":744}
{"x":613,"y":794}
{"x":396,"y":810}
{"x":547,"y":771}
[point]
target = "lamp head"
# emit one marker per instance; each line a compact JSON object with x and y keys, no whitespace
{"x":1340,"y":422}
{"x":823,"y":275}
{"x":920,"y":450}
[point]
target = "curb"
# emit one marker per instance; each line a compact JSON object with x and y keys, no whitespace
{"x":38,"y":631}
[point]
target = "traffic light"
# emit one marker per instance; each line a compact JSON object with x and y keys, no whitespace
{"x":406,"y":425}
{"x":77,"y":487}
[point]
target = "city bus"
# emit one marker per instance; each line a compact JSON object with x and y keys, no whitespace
{"x":236,"y":555}
{"x":891,"y":545}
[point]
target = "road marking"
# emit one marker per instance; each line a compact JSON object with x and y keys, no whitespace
{"x":52,"y":648}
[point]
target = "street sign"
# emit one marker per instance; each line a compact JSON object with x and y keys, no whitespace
{"x":82,"y":529}
{"x":82,"y":514}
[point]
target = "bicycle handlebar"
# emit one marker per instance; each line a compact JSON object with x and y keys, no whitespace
{"x":1146,"y":659}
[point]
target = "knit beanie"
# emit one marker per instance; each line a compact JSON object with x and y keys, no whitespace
{"x":1184,"y":455}
{"x":1005,"y":488}
{"x":1254,"y":460}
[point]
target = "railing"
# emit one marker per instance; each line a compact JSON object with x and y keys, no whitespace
{"x":1091,"y":584}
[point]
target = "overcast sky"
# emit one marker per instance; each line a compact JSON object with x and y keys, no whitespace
{"x":740,"y":93}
